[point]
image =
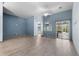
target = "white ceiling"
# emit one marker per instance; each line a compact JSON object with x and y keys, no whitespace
{"x":25,"y":9}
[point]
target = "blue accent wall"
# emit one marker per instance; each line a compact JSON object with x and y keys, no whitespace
{"x":61,"y":16}
{"x":50,"y":34}
{"x":16,"y":26}
{"x":30,"y":26}
{"x":13,"y":25}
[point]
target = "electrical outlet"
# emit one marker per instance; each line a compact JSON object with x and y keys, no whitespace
{"x":16,"y":34}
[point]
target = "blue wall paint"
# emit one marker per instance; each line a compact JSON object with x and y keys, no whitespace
{"x":30,"y":26}
{"x":23,"y":27}
{"x":52,"y":22}
{"x":65,"y":15}
{"x":26,"y":26}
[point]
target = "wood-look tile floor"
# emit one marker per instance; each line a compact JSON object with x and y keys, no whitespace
{"x":37,"y":46}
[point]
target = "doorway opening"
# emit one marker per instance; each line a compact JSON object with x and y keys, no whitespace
{"x":38,"y":26}
{"x":63,"y":29}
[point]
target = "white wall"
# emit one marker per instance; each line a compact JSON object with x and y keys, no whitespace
{"x":38,"y":19}
{"x":1,"y":22}
{"x":75,"y":25}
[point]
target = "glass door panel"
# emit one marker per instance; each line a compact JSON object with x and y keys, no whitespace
{"x":63,"y":29}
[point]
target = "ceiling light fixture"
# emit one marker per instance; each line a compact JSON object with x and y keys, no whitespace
{"x":46,"y":14}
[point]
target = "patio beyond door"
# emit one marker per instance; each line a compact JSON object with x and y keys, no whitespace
{"x":63,"y":29}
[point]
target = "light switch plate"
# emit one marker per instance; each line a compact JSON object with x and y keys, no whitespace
{"x":16,"y":24}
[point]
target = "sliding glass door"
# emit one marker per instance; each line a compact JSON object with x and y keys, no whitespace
{"x":63,"y":29}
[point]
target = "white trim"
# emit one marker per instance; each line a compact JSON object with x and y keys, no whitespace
{"x":1,"y":21}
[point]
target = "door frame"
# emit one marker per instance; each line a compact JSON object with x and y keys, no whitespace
{"x":68,"y":21}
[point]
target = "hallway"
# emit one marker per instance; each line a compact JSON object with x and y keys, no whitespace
{"x":37,"y":46}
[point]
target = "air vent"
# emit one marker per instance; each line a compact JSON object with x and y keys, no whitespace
{"x":60,"y":7}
